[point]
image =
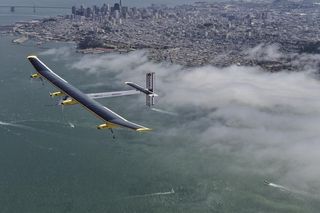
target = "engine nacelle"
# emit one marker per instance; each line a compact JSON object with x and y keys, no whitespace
{"x":107,"y":125}
{"x":69,"y":102}
{"x":55,"y":94}
{"x":35,"y":75}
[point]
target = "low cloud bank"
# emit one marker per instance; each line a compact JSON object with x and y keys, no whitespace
{"x":58,"y":53}
{"x":265,"y":52}
{"x":269,"y":120}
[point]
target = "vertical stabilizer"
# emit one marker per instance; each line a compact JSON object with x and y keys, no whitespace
{"x":150,"y":85}
{"x":149,"y":100}
{"x":150,"y":81}
{"x":148,"y":90}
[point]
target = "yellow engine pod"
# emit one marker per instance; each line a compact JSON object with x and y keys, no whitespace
{"x":54,"y":94}
{"x":35,"y":75}
{"x":69,"y":102}
{"x":142,"y":129}
{"x":107,"y":125}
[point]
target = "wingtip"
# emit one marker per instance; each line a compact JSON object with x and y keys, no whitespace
{"x":143,"y":129}
{"x":32,"y":56}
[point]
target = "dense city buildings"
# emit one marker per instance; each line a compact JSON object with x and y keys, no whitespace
{"x":191,"y":35}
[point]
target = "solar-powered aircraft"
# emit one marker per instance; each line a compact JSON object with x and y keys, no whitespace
{"x":72,"y":95}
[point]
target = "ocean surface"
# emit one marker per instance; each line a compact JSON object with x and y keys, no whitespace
{"x":54,"y":159}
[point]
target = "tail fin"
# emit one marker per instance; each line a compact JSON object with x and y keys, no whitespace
{"x":150,"y":85}
{"x":150,"y":81}
{"x":149,"y":90}
{"x":150,"y":100}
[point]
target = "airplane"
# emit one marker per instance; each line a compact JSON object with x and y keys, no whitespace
{"x":72,"y":95}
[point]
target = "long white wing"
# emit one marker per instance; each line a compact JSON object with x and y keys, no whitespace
{"x":112,"y":94}
{"x":111,"y":119}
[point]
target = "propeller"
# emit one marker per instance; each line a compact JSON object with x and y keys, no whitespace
{"x":35,"y":76}
{"x":31,"y":78}
{"x":60,"y":103}
{"x":42,"y":81}
{"x":113,"y":135}
{"x":56,"y":103}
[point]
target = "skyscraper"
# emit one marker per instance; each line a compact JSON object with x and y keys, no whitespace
{"x":116,"y":6}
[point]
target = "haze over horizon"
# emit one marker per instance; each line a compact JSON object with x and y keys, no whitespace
{"x":93,"y":2}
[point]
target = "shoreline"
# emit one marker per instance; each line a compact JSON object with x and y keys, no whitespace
{"x":188,"y":35}
{"x":269,"y":66}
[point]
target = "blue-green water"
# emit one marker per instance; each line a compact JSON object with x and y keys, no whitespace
{"x":49,"y":166}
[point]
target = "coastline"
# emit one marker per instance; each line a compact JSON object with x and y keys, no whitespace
{"x":178,"y":36}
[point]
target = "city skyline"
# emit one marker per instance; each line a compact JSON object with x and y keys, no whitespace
{"x":189,"y":35}
{"x":94,"y":2}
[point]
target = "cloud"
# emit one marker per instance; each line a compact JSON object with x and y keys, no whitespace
{"x":58,"y":53}
{"x":289,"y":60}
{"x":269,"y":121}
{"x":265,"y":52}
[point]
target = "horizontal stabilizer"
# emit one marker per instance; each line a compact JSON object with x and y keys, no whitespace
{"x":139,"y":88}
{"x":149,"y":90}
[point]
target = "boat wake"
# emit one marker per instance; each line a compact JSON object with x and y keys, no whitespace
{"x":282,"y":188}
{"x":291,"y":191}
{"x":153,"y":194}
{"x":71,"y":125}
{"x":15,"y":124}
{"x":2,"y":123}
